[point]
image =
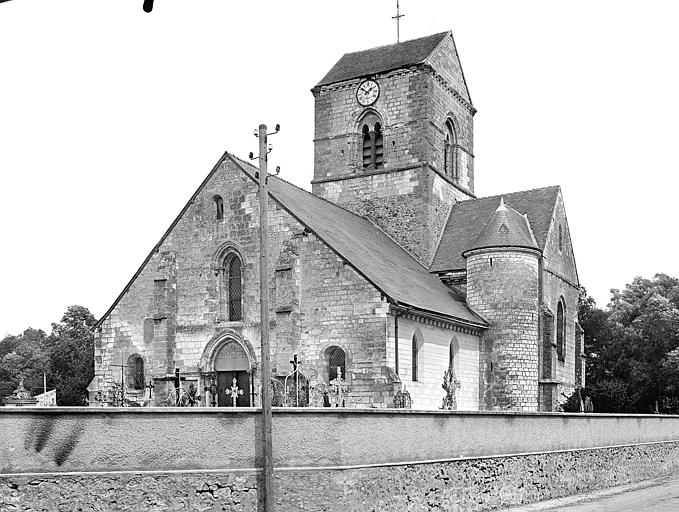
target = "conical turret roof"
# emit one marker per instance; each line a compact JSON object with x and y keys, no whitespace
{"x":506,"y":228}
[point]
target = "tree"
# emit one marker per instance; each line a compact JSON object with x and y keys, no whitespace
{"x":632,"y":365}
{"x":22,"y":356}
{"x":71,"y":355}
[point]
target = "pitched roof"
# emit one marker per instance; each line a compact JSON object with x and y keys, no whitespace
{"x":467,"y":220}
{"x":383,"y":58}
{"x":506,"y":228}
{"x":369,"y":251}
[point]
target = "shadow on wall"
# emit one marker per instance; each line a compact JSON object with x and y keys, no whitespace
{"x":40,"y":436}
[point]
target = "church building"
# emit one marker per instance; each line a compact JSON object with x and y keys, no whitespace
{"x":387,"y":275}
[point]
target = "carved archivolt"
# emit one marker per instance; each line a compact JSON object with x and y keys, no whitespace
{"x":218,"y":341}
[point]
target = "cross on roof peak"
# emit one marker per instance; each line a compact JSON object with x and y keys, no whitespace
{"x":398,"y":21}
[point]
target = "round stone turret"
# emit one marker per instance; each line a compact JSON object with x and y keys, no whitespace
{"x":502,"y":286}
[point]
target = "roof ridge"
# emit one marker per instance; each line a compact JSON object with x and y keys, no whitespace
{"x":505,"y":194}
{"x":401,"y":42}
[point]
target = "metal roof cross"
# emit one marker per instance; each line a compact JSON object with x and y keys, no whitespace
{"x":398,"y":21}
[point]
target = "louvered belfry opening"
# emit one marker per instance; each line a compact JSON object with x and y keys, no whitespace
{"x":234,"y":287}
{"x":379,"y":147}
{"x":367,"y":146}
{"x":336,"y":358}
{"x":372,"y":148}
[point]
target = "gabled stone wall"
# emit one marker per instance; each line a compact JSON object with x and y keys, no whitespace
{"x":175,"y":308}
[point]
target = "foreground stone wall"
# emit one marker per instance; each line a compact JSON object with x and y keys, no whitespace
{"x":357,"y":460}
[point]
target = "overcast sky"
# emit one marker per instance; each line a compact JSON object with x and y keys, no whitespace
{"x":111,"y":117}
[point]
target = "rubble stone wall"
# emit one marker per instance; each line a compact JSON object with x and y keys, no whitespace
{"x":199,"y":459}
{"x":502,"y":287}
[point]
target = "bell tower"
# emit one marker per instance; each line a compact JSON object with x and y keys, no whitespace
{"x":394,"y":138}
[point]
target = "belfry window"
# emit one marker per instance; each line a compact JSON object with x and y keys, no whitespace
{"x":234,"y":287}
{"x":450,"y":151}
{"x":561,"y":331}
{"x":372,"y":146}
{"x":219,"y":205}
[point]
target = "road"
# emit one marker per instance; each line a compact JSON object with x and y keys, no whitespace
{"x":660,"y":495}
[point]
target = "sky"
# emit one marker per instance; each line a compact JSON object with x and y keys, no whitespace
{"x":111,"y":117}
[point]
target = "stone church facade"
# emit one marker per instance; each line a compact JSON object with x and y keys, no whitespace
{"x":391,"y":270}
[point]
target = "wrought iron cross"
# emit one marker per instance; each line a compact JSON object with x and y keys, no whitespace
{"x":150,"y":388}
{"x":235,"y":391}
{"x":398,"y":21}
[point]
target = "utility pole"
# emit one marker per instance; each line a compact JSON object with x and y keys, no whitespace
{"x":264,"y":316}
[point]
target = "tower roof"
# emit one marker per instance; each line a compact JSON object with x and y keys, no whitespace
{"x":467,"y":220}
{"x":506,"y":228}
{"x":383,"y":58}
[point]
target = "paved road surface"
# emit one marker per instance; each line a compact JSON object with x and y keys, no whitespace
{"x":660,"y":495}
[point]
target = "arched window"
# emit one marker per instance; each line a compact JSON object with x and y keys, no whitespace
{"x":450,"y":151}
{"x":561,"y":330}
{"x":234,"y":287}
{"x":560,"y":238}
{"x":219,"y":205}
{"x":367,"y":146}
{"x":336,"y":358}
{"x":452,"y":354}
{"x":135,"y":372}
{"x":415,"y":357}
{"x":372,"y":142}
{"x":379,"y":147}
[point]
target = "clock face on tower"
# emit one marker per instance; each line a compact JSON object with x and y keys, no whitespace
{"x":367,"y":93}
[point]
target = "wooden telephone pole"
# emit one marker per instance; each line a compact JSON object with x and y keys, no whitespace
{"x":264,"y":316}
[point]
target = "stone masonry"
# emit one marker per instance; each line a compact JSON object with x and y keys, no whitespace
{"x":502,"y":286}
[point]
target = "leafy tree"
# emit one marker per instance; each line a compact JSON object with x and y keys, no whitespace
{"x":66,"y":356}
{"x":633,"y":364}
{"x":71,"y":355}
{"x":22,"y":355}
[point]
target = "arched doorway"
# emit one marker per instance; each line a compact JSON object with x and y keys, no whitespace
{"x":232,"y":362}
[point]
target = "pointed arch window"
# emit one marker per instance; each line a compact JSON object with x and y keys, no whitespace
{"x":219,"y":205}
{"x":561,"y":330}
{"x":450,"y":151}
{"x":372,"y":146}
{"x":135,"y":372}
{"x":234,"y":287}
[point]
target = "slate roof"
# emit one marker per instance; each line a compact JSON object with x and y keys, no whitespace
{"x":383,"y":58}
{"x":506,"y":228}
{"x":468,"y":218}
{"x":368,"y":250}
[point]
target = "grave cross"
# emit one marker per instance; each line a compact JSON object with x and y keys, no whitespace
{"x":150,"y":388}
{"x":235,"y":391}
{"x":122,"y":376}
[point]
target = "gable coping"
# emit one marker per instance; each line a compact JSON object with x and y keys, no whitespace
{"x":239,"y":163}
